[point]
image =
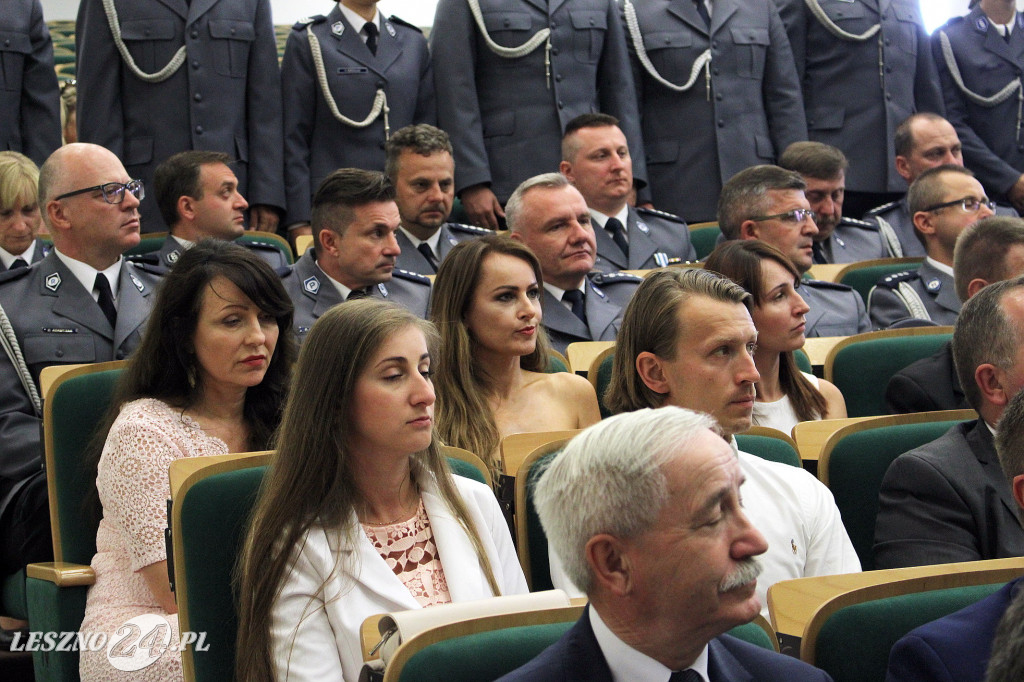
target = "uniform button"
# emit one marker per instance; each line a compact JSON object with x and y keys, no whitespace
{"x":721,"y":123}
{"x":380,"y":84}
{"x":718,"y":97}
{"x":232,"y":31}
{"x":381,"y":145}
{"x":560,"y":105}
{"x":888,"y":41}
{"x":554,"y":50}
{"x":591,"y":22}
{"x":888,"y":69}
{"x":59,"y":352}
{"x":714,"y":44}
{"x":195,"y":63}
{"x":507,"y":23}
{"x":7,"y":43}
{"x":554,"y":25}
{"x":558,"y":78}
{"x":888,"y":97}
{"x":197,"y":97}
{"x":714,"y":71}
{"x":146,"y":32}
{"x":194,"y":34}
{"x":199,"y":130}
{"x":120,"y":355}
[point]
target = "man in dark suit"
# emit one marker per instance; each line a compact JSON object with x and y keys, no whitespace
{"x":666,"y":580}
{"x":987,"y":251}
{"x":958,"y":646}
{"x":421,"y":167}
{"x":948,"y":500}
{"x":83,"y":303}
{"x":550,"y":216}
{"x":596,"y":160}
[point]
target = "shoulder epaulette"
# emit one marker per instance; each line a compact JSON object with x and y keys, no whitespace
{"x":883,"y":208}
{"x":302,"y":23}
{"x":470,"y":229}
{"x":257,"y":244}
{"x":284,"y":271}
{"x":16,"y":273}
{"x":410,"y":276}
{"x":148,"y":266}
{"x":822,"y":284}
{"x":954,"y":21}
{"x":607,"y":278}
{"x":143,"y":258}
{"x":862,"y":224}
{"x":395,"y":20}
{"x":661,"y":214}
{"x":893,"y":281}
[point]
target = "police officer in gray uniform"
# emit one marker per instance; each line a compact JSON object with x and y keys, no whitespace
{"x":198,"y":196}
{"x":839,"y":239}
{"x":550,"y":216}
{"x":768,"y":203}
{"x":62,"y":312}
{"x":375,"y":85}
{"x":865,"y":67}
{"x":177,"y":75}
{"x":421,"y":167}
{"x":718,"y":92}
{"x":30,"y":105}
{"x":510,"y":74}
{"x":596,"y":160}
{"x":944,"y":201}
{"x":980,"y":59}
{"x":354,"y":250}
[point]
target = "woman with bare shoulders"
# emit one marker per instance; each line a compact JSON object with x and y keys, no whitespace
{"x":490,"y":376}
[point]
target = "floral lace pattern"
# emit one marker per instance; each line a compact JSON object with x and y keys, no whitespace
{"x":408,"y":549}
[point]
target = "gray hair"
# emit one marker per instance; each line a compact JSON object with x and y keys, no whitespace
{"x":745,"y":196}
{"x":609,"y":479}
{"x":514,"y":206}
{"x":983,"y":334}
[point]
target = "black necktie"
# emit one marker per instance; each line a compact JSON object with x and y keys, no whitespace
{"x":424,"y":248}
{"x":18,"y":263}
{"x":106,"y":299}
{"x":618,"y":234}
{"x":356,"y":294}
{"x":575,"y":298}
{"x":702,"y":10}
{"x":371,"y":36}
{"x":818,"y":251}
{"x":688,"y":675}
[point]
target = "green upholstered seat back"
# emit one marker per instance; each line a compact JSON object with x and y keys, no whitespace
{"x":862,"y":279}
{"x":604,"y":377}
{"x":214,"y":515}
{"x":802,"y":361}
{"x":856,"y":467}
{"x":704,"y":240}
{"x":555,"y":364}
{"x":79,"y":404}
{"x":753,"y":634}
{"x":13,"y":598}
{"x":462,"y":468}
{"x":766,"y":447}
{"x":862,"y":370}
{"x":854,"y":643}
{"x":540,"y":568}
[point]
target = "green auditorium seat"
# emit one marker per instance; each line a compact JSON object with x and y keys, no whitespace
{"x":704,"y":237}
{"x":769,"y":444}
{"x":863,"y":275}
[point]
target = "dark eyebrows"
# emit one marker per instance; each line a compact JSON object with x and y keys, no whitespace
{"x":399,"y":360}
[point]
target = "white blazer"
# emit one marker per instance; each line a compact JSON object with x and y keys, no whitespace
{"x":315,"y":635}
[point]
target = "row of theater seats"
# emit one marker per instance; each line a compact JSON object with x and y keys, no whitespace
{"x":211,"y":498}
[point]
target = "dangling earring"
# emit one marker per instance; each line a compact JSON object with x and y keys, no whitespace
{"x":190,"y":374}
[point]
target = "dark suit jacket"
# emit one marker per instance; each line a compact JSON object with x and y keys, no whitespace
{"x":928,"y":384}
{"x":955,"y":647}
{"x":947,"y":501}
{"x":577,"y":656}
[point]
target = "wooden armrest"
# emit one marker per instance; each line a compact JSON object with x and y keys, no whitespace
{"x":62,"y":574}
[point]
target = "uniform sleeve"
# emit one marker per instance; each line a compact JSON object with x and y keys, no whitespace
{"x":912,"y":659}
{"x":426,"y":99}
{"x":133,"y":482}
{"x":784,"y":102}
{"x":885,"y":307}
{"x":921,"y":519}
{"x":829,"y":550}
{"x":300,"y":92}
{"x":927,"y":92}
{"x":794,"y":20}
{"x":22,"y":451}
{"x":98,"y":70}
{"x":40,"y":96}
{"x":263,"y":114}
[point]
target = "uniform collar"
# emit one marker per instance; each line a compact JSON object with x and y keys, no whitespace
{"x":342,"y":289}
{"x":600,"y":219}
{"x":941,"y":267}
{"x":558,"y":293}
{"x":357,"y":22}
{"x":86,"y":274}
{"x":432,"y":241}
{"x":6,"y":257}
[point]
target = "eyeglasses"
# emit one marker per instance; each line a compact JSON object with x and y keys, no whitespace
{"x":968,"y":204}
{"x":797,"y":215}
{"x":113,"y":192}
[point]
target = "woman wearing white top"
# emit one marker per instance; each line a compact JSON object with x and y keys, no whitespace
{"x":785,"y":395}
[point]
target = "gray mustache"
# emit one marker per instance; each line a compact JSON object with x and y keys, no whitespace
{"x":745,"y":573}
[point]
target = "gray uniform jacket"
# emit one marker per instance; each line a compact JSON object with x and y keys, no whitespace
{"x":993,"y":147}
{"x":852,"y":101}
{"x":312,"y":293}
{"x":835,"y":309}
{"x":317,"y":143}
{"x":451,"y":234}
{"x":41,"y":251}
{"x":655,"y":240}
{"x":698,"y":139}
{"x":897,"y":214}
{"x":891,"y":300}
{"x":605,"y":300}
{"x":852,"y":240}
{"x":57,"y":322}
{"x":29,"y":96}
{"x":226,"y":97}
{"x":171,"y":250}
{"x":947,"y":501}
{"x":505,"y":117}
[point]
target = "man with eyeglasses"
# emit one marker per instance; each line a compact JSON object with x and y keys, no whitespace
{"x":768,"y":203}
{"x":83,"y":303}
{"x":943,"y":201}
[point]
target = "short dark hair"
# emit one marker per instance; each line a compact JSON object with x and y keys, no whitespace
{"x":178,"y":177}
{"x":903,"y":138}
{"x":582,"y":121}
{"x":981,"y":250}
{"x":342,"y":191}
{"x":422,"y":138}
{"x":984,"y":334}
{"x":745,"y":196}
{"x":814,"y":160}
{"x":927,"y":190}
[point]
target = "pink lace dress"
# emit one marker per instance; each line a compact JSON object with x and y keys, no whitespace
{"x":408,"y":548}
{"x":133,"y":486}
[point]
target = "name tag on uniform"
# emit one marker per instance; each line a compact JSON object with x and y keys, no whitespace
{"x":60,"y":330}
{"x":347,"y":70}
